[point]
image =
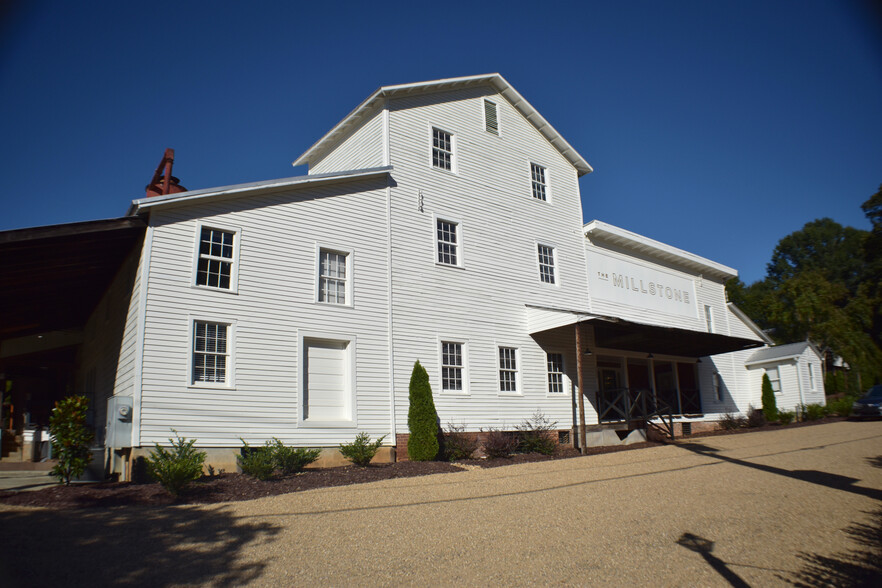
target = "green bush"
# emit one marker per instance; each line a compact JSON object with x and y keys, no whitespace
{"x":499,"y":443}
{"x":458,"y":444}
{"x":785,"y":417}
{"x":291,"y":460}
{"x":535,"y":435}
{"x":70,"y":438}
{"x":257,"y":462}
{"x":361,"y":451}
{"x":731,"y":421}
{"x":175,"y":468}
{"x":770,"y":406}
{"x":813,"y":412}
{"x":842,"y":406}
{"x":755,"y":417}
{"x":422,"y":419}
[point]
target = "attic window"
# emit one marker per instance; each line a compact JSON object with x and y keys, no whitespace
{"x":491,"y":117}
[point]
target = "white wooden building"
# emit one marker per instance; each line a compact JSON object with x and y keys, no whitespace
{"x":794,"y":370}
{"x":439,"y":222}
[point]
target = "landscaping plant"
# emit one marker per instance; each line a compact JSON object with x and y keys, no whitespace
{"x":70,"y":438}
{"x":499,"y":443}
{"x":731,"y":421}
{"x":535,"y":436}
{"x":175,"y":468}
{"x":785,"y":417}
{"x":813,"y":412}
{"x":458,"y":444}
{"x":755,"y":417}
{"x":770,"y":406}
{"x":842,"y":406}
{"x":291,"y":460}
{"x":422,"y":419}
{"x":361,"y":451}
{"x":256,"y":462}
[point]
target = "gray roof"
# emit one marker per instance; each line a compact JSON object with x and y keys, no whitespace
{"x":778,"y":353}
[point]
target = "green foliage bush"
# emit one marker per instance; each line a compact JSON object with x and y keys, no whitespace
{"x":257,"y":462}
{"x":785,"y":417}
{"x":813,"y":412}
{"x":422,"y":419}
{"x":291,"y":460}
{"x":361,"y":451}
{"x":535,"y":436}
{"x":499,"y":443}
{"x":841,"y":407}
{"x":755,"y":417}
{"x":770,"y":406}
{"x":458,"y":444}
{"x":175,"y":468}
{"x":70,"y":438}
{"x":731,"y":421}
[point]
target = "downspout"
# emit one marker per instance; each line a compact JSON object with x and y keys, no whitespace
{"x":798,"y":382}
{"x":389,"y":326}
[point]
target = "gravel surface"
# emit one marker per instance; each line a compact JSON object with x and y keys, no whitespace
{"x":764,"y":509}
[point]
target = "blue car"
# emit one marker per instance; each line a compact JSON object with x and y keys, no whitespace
{"x":870,"y":404}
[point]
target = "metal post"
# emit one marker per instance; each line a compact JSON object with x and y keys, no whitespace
{"x":583,"y":438}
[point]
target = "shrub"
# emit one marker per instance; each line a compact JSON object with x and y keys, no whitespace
{"x":458,"y":444}
{"x":842,"y":406}
{"x":770,"y":406}
{"x":256,"y":462}
{"x":731,"y":421}
{"x":755,"y":417}
{"x":361,"y":451}
{"x":291,"y":460}
{"x":70,"y":438}
{"x":422,"y":419}
{"x":534,"y":435}
{"x":499,"y":443}
{"x":785,"y":417}
{"x":813,"y":412}
{"x":175,"y":468}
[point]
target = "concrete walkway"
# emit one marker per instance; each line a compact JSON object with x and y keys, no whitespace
{"x":25,"y":480}
{"x":753,"y":509}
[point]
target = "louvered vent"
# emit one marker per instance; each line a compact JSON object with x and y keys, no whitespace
{"x":490,"y":117}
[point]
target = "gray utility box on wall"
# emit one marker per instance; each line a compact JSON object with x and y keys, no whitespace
{"x":119,"y":422}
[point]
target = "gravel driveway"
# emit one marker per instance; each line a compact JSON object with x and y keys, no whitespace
{"x":752,"y":509}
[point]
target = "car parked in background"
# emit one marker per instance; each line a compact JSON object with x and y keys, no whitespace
{"x":870,"y":404}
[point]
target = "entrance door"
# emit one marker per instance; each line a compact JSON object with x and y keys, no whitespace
{"x":612,"y":394}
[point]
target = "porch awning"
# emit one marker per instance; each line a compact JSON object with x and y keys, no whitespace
{"x":629,"y":336}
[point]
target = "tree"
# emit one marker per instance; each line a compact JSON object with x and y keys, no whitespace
{"x":70,"y":438}
{"x":422,"y":419}
{"x":770,"y":406}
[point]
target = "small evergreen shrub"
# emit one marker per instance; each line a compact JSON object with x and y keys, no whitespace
{"x":813,"y":412}
{"x":256,"y":462}
{"x":770,"y":405}
{"x":291,"y":460}
{"x":841,"y":407}
{"x":534,"y":435}
{"x":785,"y":417}
{"x":361,"y":451}
{"x":177,"y":467}
{"x":70,"y":438}
{"x":422,"y":418}
{"x":731,"y":421}
{"x":458,"y":444}
{"x":499,"y":443}
{"x":755,"y":417}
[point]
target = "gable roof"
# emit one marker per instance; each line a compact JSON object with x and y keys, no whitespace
{"x":780,"y":353}
{"x":377,"y":99}
{"x":749,"y":322}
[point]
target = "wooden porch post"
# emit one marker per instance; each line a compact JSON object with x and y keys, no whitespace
{"x":583,"y":438}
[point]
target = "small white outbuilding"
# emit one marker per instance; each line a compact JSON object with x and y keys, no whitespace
{"x":794,"y":371}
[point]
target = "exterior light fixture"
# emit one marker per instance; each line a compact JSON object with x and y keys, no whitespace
{"x":587,"y":352}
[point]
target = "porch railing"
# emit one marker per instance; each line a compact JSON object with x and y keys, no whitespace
{"x":624,"y":404}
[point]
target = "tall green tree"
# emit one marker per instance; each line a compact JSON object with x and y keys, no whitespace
{"x":422,"y":419}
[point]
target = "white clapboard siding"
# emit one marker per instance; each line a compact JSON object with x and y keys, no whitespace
{"x":361,"y":148}
{"x":274,"y":305}
{"x":483,"y":302}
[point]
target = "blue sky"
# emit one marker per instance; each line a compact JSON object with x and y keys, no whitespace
{"x":717,"y":127}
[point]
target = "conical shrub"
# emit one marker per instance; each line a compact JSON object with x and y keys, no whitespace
{"x":422,"y":419}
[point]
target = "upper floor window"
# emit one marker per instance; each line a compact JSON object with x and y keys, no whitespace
{"x":491,"y":117}
{"x":546,"y":264}
{"x":216,"y":262}
{"x":811,"y":373}
{"x":210,"y":352}
{"x":448,"y":242}
{"x":508,"y":369}
{"x":555,"y":373}
{"x":709,"y":318}
{"x":774,"y":378}
{"x":451,"y":366}
{"x":540,"y":186}
{"x":442,"y":149}
{"x":333,"y":278}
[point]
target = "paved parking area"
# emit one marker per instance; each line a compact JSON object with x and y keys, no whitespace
{"x":753,"y":509}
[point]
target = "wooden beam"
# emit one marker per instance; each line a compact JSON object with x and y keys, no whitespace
{"x":583,"y":437}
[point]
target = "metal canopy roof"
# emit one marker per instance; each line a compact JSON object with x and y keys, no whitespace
{"x":629,"y":336}
{"x":53,"y":277}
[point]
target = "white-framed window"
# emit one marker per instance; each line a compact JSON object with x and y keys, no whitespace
{"x":211,"y":353}
{"x":508,"y":370}
{"x":491,"y":117}
{"x":555,"y":364}
{"x":453,"y":367}
{"x":774,"y":378}
{"x":442,"y":149}
{"x":718,"y":386}
{"x":546,"y":263}
{"x":811,"y":374}
{"x":217,"y":253}
{"x":334,"y":277}
{"x":447,"y":237}
{"x":327,"y":387}
{"x":709,"y":318}
{"x":539,"y":177}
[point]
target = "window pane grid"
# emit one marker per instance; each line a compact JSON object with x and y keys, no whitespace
{"x":210,"y":352}
{"x":508,"y":369}
{"x":215,"y":258}
{"x":555,"y":373}
{"x":447,"y":246}
{"x":332,"y":277}
{"x":451,"y":366}
{"x":538,"y":175}
{"x":442,"y":149}
{"x":546,"y":264}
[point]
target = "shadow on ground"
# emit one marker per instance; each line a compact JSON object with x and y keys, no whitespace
{"x":127,"y":546}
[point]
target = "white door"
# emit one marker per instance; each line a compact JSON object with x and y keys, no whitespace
{"x":327,"y":381}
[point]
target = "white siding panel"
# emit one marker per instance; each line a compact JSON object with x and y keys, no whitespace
{"x":362,"y":148}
